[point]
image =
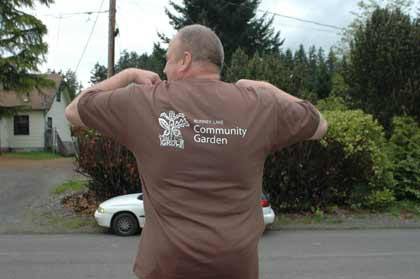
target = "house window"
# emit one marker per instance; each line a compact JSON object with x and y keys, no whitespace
{"x":21,"y":124}
{"x":49,"y":123}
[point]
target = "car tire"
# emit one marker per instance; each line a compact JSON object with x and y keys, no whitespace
{"x":125,"y":224}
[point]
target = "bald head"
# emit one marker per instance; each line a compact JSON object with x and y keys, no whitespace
{"x":203,"y":44}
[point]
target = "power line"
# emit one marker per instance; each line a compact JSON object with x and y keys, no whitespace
{"x":303,"y":20}
{"x":290,"y":17}
{"x":67,"y":15}
{"x":311,"y":28}
{"x":90,"y":36}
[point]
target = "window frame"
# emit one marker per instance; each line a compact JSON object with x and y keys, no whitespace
{"x":21,"y":130}
{"x":58,"y":96}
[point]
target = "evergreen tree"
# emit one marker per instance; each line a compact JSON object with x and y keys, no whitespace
{"x":300,"y":56}
{"x":234,"y":21}
{"x":311,"y":79}
{"x":267,"y":67}
{"x":332,"y":62}
{"x":339,"y":87}
{"x":312,"y":58}
{"x":288,"y":59}
{"x":323,"y":76}
{"x":130,"y":59}
{"x":385,"y":62}
{"x":70,"y":84}
{"x":238,"y":68}
{"x":98,"y":73}
{"x":22,"y":47}
{"x":299,"y":77}
{"x":364,"y":12}
{"x":157,"y":60}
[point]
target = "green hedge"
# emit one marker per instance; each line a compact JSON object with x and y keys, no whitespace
{"x":404,"y":147}
{"x":349,"y":167}
{"x":360,"y":134}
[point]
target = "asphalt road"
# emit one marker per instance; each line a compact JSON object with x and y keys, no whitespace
{"x":365,"y":254}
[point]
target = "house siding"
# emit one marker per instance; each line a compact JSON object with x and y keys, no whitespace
{"x":59,"y":121}
{"x":35,"y":139}
{"x":4,"y":133}
{"x":37,"y":129}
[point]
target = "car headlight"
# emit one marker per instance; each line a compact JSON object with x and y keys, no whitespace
{"x":101,"y":210}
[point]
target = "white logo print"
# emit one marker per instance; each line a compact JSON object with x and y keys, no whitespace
{"x":172,"y":123}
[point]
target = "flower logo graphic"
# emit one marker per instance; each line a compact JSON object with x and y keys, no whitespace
{"x":172,"y":123}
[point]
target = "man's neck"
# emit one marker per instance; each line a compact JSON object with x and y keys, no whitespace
{"x":202,"y":73}
{"x":211,"y":76}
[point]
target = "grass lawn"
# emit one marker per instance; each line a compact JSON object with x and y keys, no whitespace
{"x":71,"y":185}
{"x":55,"y":222}
{"x":35,"y":155}
{"x":408,"y":209}
{"x":71,"y":223}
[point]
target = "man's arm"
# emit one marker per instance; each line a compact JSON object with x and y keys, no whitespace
{"x":120,"y":80}
{"x":322,"y":126}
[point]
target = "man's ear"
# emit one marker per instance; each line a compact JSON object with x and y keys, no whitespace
{"x":186,"y":61}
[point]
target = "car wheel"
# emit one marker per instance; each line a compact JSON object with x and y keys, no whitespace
{"x":125,"y":224}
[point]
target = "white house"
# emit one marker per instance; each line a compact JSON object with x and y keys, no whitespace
{"x":39,"y":122}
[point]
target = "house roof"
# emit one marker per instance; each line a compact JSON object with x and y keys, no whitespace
{"x":35,"y":100}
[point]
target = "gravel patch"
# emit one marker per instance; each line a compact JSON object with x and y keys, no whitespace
{"x":27,"y":203}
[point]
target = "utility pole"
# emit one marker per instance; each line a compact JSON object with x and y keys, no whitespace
{"x":111,"y":38}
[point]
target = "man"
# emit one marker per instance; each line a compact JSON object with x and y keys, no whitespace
{"x":200,"y":145}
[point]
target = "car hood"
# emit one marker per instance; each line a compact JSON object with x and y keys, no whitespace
{"x":122,"y":200}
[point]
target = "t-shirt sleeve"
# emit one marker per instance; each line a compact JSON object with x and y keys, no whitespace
{"x":107,"y":112}
{"x":293,"y":121}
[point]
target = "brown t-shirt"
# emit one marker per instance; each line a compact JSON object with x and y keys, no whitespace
{"x":200,"y":147}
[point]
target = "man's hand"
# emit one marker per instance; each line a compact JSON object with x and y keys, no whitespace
{"x":144,"y":77}
{"x":122,"y":79}
{"x":264,"y":84}
{"x":252,"y":83}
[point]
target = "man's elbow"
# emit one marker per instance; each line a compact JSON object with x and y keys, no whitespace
{"x":68,"y":113}
{"x":72,"y":116}
{"x":321,"y":130}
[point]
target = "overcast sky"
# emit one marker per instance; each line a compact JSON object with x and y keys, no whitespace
{"x":140,"y":20}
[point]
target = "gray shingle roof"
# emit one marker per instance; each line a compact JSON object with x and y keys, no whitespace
{"x":34,"y":100}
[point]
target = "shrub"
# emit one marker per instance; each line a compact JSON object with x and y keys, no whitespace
{"x":312,"y":175}
{"x":112,"y":168}
{"x":360,"y":134}
{"x":380,"y":199}
{"x":343,"y":169}
{"x":332,"y":103}
{"x":404,"y":146}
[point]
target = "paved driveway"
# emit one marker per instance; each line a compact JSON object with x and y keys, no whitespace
{"x":23,"y":183}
